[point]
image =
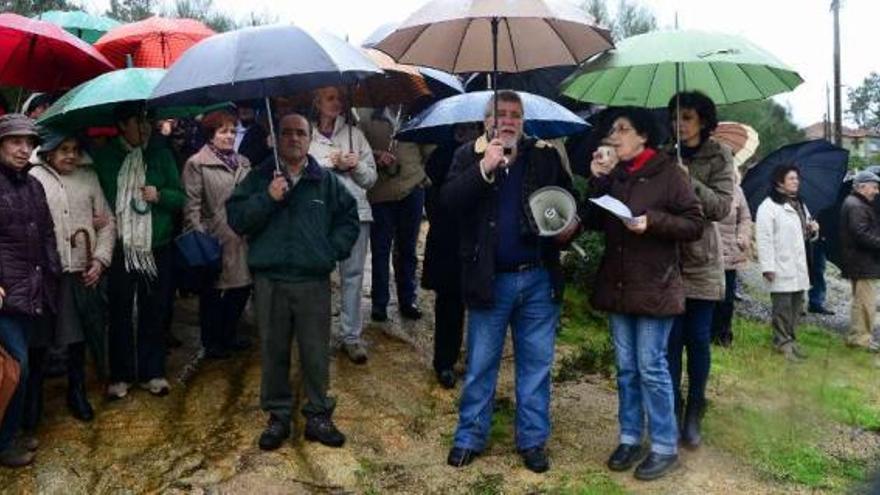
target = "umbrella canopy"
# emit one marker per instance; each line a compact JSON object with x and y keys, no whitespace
{"x":642,"y":70}
{"x":822,"y":169}
{"x":543,"y":118}
{"x":92,"y":103}
{"x":40,"y":56}
{"x":544,"y":82}
{"x":398,"y":84}
{"x":742,"y":140}
{"x":251,"y":63}
{"x":441,"y":84}
{"x":457,"y":35}
{"x":153,"y":42}
{"x":84,"y":26}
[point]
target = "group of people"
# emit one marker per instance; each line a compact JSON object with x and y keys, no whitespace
{"x":89,"y":233}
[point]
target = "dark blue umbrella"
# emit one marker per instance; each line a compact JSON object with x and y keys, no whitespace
{"x":822,"y":168}
{"x":544,"y":82}
{"x":544,"y":118}
{"x":442,"y":84}
{"x":261,"y":62}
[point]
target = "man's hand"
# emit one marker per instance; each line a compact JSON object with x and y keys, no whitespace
{"x":638,"y":225}
{"x":93,"y":274}
{"x":2,"y":296}
{"x":566,"y":235}
{"x":385,"y":158}
{"x":494,"y":156}
{"x":150,"y":194}
{"x":770,"y":276}
{"x":813,"y":227}
{"x":278,"y":187}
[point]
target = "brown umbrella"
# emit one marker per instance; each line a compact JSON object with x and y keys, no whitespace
{"x":457,"y":36}
{"x":399,"y":84}
{"x":742,"y":140}
{"x":495,"y":36}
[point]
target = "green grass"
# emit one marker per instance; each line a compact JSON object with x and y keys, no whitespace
{"x":776,"y":415}
{"x":586,"y":332}
{"x":501,"y":429}
{"x":589,"y":482}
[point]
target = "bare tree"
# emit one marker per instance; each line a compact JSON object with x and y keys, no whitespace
{"x":131,"y":10}
{"x":630,"y":17}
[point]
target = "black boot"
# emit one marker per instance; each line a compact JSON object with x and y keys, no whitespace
{"x":77,"y":398}
{"x":33,"y":393}
{"x":320,"y":428}
{"x":690,"y":430}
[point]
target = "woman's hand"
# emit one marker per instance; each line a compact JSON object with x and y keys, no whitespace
{"x":638,"y":225}
{"x":150,"y":194}
{"x":349,"y":161}
{"x":604,"y":161}
{"x":92,"y":275}
{"x":385,"y":158}
{"x":2,"y":296}
{"x":100,"y":219}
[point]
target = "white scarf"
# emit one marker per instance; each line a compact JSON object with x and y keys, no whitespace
{"x":135,"y":229}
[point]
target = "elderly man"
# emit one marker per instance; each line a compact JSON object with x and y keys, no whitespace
{"x":29,"y":278}
{"x":300,"y":221}
{"x":860,"y":256}
{"x":510,"y":276}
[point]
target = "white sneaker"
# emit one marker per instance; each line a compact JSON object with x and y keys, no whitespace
{"x":117,"y":390}
{"x":157,"y":386}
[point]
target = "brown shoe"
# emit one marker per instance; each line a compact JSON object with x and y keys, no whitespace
{"x":16,"y":456}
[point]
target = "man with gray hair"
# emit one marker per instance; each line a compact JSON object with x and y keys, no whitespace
{"x":860,"y":257}
{"x":510,"y":278}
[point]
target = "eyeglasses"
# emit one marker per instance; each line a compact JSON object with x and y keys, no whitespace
{"x":620,"y":129}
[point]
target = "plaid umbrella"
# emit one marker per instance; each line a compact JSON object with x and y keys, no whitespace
{"x":153,"y":42}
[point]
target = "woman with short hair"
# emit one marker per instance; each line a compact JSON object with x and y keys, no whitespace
{"x":209,"y":176}
{"x":639,"y":282}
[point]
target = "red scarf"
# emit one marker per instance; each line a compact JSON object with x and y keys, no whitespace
{"x":640,"y":160}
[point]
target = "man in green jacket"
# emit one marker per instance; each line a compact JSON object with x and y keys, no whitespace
{"x":299,"y":221}
{"x":140,"y":181}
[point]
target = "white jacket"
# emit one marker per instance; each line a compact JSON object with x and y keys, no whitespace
{"x":73,"y":201}
{"x":780,"y":241}
{"x":361,"y":177}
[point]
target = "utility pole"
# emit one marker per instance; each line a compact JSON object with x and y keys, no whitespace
{"x":838,"y":113}
{"x":826,"y":121}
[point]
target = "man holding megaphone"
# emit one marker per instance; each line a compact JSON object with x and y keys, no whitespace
{"x":510,"y":277}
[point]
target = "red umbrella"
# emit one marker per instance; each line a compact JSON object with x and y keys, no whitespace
{"x":40,"y":56}
{"x":154,"y":42}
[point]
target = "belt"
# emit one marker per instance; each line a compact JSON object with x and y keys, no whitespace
{"x":522,"y":267}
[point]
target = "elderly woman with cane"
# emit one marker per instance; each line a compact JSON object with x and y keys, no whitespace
{"x":84,"y":236}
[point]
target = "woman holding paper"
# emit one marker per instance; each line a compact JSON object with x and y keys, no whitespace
{"x":639,"y":282}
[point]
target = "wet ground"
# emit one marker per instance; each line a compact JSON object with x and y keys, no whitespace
{"x":202,"y":437}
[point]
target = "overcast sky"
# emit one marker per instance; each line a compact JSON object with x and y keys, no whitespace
{"x":799,"y":32}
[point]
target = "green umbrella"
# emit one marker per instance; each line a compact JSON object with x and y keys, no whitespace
{"x":647,"y":70}
{"x":92,"y":102}
{"x":84,"y":26}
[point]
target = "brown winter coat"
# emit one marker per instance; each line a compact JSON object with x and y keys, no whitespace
{"x":399,"y":180}
{"x":736,"y":232}
{"x":640,"y":273}
{"x":712,"y":177}
{"x":208,"y":184}
{"x":859,"y":238}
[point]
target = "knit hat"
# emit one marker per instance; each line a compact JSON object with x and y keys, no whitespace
{"x":864,"y":177}
{"x":16,"y":124}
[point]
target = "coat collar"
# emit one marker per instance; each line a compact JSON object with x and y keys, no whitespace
{"x":312,"y":170}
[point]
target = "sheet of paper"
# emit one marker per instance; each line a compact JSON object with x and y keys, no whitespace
{"x":615,"y":206}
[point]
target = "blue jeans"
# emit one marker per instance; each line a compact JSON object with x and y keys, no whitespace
{"x":693,"y":330}
{"x":643,"y":381}
{"x":523,"y":301}
{"x":397,"y":223}
{"x":14,"y":331}
{"x":817,"y":276}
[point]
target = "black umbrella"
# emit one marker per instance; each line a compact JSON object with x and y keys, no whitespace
{"x":822,"y":169}
{"x":261,"y":62}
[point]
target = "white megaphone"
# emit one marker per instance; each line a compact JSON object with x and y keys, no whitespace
{"x":553,"y":209}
